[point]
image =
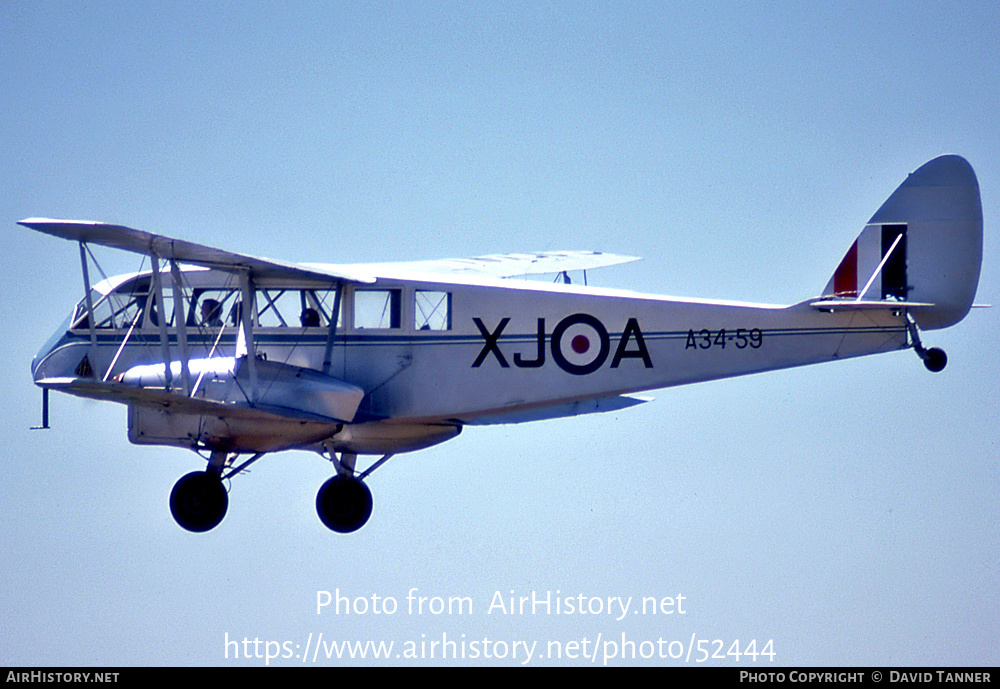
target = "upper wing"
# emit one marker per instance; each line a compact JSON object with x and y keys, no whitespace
{"x":149,"y":244}
{"x":498,"y":265}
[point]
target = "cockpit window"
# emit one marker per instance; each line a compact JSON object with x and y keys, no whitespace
{"x":121,"y":308}
{"x":131,"y":303}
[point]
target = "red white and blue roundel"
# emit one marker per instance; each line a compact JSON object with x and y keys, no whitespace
{"x":580,"y":344}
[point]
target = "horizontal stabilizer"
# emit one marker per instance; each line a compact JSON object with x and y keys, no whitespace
{"x":855,"y":305}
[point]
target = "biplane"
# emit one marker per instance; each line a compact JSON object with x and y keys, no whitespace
{"x":236,"y":357}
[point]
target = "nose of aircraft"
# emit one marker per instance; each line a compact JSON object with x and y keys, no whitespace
{"x":55,"y":340}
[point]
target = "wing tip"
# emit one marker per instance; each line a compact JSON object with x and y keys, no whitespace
{"x":52,"y":221}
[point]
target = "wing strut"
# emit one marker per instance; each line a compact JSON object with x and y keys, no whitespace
{"x":161,"y":321}
{"x":345,"y":464}
{"x":180,"y":322}
{"x":373,"y":467}
{"x":334,"y":315}
{"x":90,"y":306}
{"x":233,"y":471}
{"x":246,"y":320}
{"x":121,"y":347}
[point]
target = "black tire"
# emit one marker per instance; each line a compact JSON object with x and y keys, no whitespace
{"x":199,"y":501}
{"x":935,"y":360}
{"x":344,"y":504}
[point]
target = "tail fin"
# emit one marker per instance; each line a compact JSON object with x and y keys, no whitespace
{"x":925,"y":244}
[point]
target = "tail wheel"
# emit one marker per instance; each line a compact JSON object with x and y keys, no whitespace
{"x":935,"y":359}
{"x":199,"y":501}
{"x":344,"y":504}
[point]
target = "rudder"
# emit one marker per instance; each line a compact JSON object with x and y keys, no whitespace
{"x":925,"y":244}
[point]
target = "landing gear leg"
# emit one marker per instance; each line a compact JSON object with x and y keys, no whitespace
{"x":199,"y":501}
{"x":934,"y":358}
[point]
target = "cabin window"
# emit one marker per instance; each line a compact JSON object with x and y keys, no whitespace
{"x":212,"y":308}
{"x":432,"y":310}
{"x":277,"y":308}
{"x":319,"y":303}
{"x":377,"y":308}
{"x":292,"y":308}
{"x":205,"y":308}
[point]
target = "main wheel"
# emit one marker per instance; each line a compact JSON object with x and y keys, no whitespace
{"x":344,"y":504}
{"x":199,"y":501}
{"x":935,"y":359}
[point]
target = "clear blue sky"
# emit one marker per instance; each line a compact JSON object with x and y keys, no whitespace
{"x":849,"y":512}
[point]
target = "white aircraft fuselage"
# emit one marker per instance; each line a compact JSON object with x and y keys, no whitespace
{"x":507,"y":351}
